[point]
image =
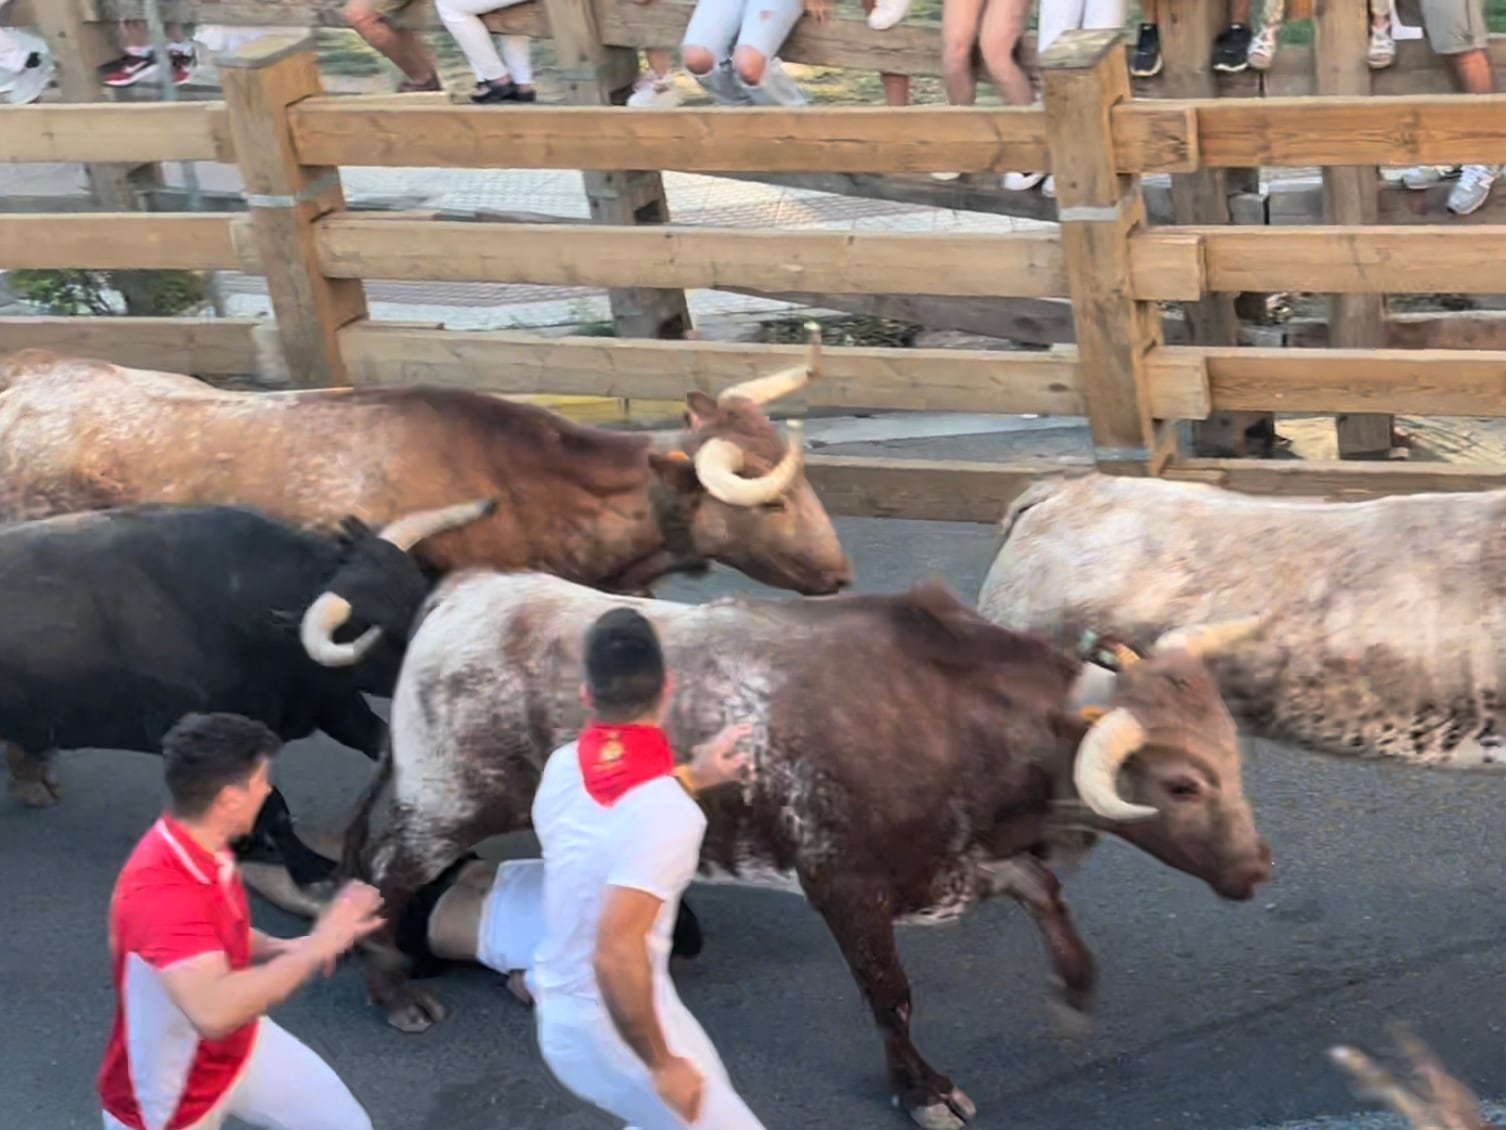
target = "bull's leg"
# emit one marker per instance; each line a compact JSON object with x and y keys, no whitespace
{"x":33,"y":780}
{"x":352,"y":722}
{"x":1075,"y":980}
{"x":274,"y":838}
{"x":861,"y":920}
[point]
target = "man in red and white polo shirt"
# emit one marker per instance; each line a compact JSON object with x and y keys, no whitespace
{"x":191,"y":1044}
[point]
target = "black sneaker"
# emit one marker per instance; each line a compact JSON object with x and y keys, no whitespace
{"x":1231,"y":49}
{"x":1145,"y":62}
{"x":507,"y":91}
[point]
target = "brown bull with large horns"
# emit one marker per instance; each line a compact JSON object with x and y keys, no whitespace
{"x":604,"y":508}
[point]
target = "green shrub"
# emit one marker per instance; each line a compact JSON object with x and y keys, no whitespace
{"x":161,"y":294}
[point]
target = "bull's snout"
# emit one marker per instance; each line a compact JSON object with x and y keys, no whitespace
{"x":1241,"y":883}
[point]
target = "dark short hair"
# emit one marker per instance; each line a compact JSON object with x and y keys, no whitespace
{"x":204,"y":753}
{"x":624,"y":665}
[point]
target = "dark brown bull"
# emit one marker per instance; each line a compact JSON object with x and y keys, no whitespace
{"x":909,"y":760}
{"x":599,"y":507}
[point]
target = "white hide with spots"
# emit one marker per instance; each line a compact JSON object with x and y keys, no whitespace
{"x":1386,"y":614}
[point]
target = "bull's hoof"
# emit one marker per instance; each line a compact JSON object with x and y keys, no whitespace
{"x":414,"y":1010}
{"x":951,"y":1112}
{"x":1071,"y":1009}
{"x":35,"y":792}
{"x":33,"y":782}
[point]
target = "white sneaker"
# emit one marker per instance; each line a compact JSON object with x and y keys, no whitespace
{"x":887,"y":13}
{"x":1474,"y":186}
{"x":26,"y":86}
{"x":654,"y":92}
{"x":945,"y":176}
{"x":1018,"y":182}
{"x":1419,"y":177}
{"x":1048,"y":186}
{"x":777,"y":88}
{"x":1382,"y":51}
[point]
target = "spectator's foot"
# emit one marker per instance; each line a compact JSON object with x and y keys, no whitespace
{"x":504,"y":90}
{"x":183,"y":60}
{"x":945,"y":176}
{"x":1474,"y":186}
{"x":1145,"y":60}
{"x":130,"y":69}
{"x":1048,"y":187}
{"x":725,"y":88}
{"x":1019,"y":182}
{"x":1262,"y":51}
{"x":1382,"y":51}
{"x":777,"y":88}
{"x":30,"y":82}
{"x":1421,"y":177}
{"x":1231,"y":49}
{"x":887,"y":13}
{"x":654,"y":92}
{"x":408,"y":86}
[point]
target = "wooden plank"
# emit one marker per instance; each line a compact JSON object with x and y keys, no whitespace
{"x":262,"y":80}
{"x":1101,"y":211}
{"x":1029,"y":321}
{"x":115,"y":132}
{"x":1422,"y":382}
{"x":117,"y":241}
{"x":1015,"y":264}
{"x":1336,"y":480}
{"x":222,"y":347}
{"x":918,"y":489}
{"x":938,"y":380}
{"x":1377,"y":259}
{"x":1301,"y":202}
{"x":1464,"y":329}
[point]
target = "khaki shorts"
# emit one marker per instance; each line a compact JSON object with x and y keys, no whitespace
{"x":1452,"y":26}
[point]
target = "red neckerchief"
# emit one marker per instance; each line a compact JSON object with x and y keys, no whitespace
{"x":614,"y":759}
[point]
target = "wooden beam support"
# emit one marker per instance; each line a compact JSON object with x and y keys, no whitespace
{"x":221,"y":347}
{"x":1085,"y":78}
{"x":262,"y":80}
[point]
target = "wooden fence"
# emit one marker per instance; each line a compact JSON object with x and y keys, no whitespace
{"x":289,"y":138}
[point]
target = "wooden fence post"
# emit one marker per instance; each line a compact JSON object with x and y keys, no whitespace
{"x":1187,"y":31}
{"x":262,"y":80}
{"x":1085,"y":74}
{"x":1351,"y":196}
{"x":596,"y":75}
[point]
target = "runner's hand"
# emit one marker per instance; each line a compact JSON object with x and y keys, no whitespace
{"x":681,"y":1087}
{"x":719,"y":760}
{"x":350,"y":916}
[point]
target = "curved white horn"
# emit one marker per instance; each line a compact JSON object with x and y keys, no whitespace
{"x":1203,"y":640}
{"x":1106,"y":747}
{"x":409,"y":530}
{"x":719,"y":460}
{"x":317,"y":632}
{"x":764,"y":390}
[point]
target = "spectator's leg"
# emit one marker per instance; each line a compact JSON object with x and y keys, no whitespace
{"x":960,"y":21}
{"x":882,"y":15}
{"x":706,"y":50}
{"x":1262,"y":51}
{"x":498,"y":80}
{"x":1456,"y":30}
{"x":1145,"y":59}
{"x":998,"y":36}
{"x":655,"y":90}
{"x":1231,"y":47}
{"x":368,"y":19}
{"x":766,"y":25}
{"x":517,"y":55}
{"x":135,"y":63}
{"x":1382,"y":52}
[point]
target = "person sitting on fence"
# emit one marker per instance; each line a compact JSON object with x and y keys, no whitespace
{"x":372,"y":21}
{"x":1382,"y":51}
{"x":1456,"y":29}
{"x":1231,"y":47}
{"x":25,"y":65}
{"x":730,"y":48}
{"x":507,"y":77}
{"x":139,"y":62}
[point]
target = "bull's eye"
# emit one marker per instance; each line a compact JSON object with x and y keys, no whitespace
{"x":774,"y":506}
{"x":1183,"y":788}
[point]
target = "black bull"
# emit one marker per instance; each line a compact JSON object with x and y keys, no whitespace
{"x":114,"y":624}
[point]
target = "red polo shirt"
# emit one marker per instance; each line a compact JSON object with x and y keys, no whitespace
{"x":172,"y":902}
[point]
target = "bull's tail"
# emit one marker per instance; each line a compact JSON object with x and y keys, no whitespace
{"x":358,"y":827}
{"x":1033,"y":495}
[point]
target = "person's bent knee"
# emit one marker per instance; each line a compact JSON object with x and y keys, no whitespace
{"x":956,"y":56}
{"x":750,"y":64}
{"x":360,"y":14}
{"x":697,"y":60}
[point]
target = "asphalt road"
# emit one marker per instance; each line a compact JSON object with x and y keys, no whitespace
{"x":1388,"y":902}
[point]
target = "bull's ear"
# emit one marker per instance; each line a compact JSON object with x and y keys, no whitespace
{"x":675,"y":469}
{"x":700,"y":409}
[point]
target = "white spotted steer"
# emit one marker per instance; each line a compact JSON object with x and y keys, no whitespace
{"x":909,"y":759}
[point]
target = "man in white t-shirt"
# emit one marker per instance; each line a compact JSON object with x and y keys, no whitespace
{"x":621,"y":836}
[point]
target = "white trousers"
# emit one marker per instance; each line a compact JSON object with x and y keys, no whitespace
{"x":285,"y":1086}
{"x":585,"y":1052}
{"x":1057,"y":16}
{"x":463,"y":18}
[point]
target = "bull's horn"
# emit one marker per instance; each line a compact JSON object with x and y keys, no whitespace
{"x":409,"y":530}
{"x":1203,"y":640}
{"x":320,"y":623}
{"x":765,"y":390}
{"x":718,"y":461}
{"x":1107,"y":746}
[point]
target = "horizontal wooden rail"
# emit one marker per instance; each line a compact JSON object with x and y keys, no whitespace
{"x":1336,"y":480}
{"x":1022,"y":265}
{"x":118,"y":241}
{"x":221,"y":347}
{"x":935,"y":380}
{"x":116,"y":132}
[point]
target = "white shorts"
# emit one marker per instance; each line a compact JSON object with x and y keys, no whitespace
{"x":512,"y":920}
{"x":285,"y":1085}
{"x":587,"y":1054}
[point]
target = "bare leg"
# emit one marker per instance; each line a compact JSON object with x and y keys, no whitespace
{"x":896,"y":87}
{"x":998,"y":36}
{"x":403,"y":47}
{"x":959,"y":32}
